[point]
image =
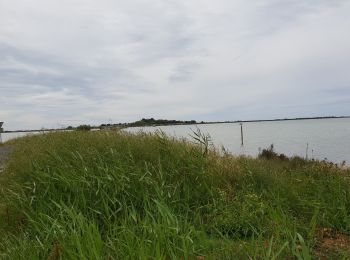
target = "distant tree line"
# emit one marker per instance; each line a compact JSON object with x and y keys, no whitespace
{"x":159,"y":122}
{"x":84,"y":128}
{"x":152,"y":121}
{"x":149,"y":122}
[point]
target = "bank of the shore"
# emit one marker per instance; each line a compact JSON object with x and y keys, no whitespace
{"x":111,"y":195}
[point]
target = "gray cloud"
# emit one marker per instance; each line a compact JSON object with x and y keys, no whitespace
{"x":82,"y":61}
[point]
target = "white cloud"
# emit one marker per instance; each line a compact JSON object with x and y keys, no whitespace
{"x":89,"y":61}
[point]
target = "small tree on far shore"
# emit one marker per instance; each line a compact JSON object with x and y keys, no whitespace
{"x":84,"y":128}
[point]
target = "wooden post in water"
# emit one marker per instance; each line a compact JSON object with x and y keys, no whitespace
{"x":1,"y":130}
{"x":307,"y":151}
{"x":241,"y":134}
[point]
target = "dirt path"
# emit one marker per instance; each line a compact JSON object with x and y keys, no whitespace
{"x":4,"y":153}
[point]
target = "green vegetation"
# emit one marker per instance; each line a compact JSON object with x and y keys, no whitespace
{"x":112,"y":195}
{"x":150,"y":122}
{"x":83,"y":128}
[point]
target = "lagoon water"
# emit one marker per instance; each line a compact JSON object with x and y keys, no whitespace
{"x":326,"y":138}
{"x":9,"y":136}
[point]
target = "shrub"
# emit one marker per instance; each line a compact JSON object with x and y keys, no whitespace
{"x":269,"y":153}
{"x":84,"y":128}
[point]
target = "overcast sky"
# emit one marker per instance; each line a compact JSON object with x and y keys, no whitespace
{"x":68,"y":62}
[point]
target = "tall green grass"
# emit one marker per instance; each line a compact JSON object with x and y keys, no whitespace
{"x":112,"y":195}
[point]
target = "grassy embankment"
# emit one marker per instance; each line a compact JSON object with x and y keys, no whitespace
{"x":106,"y":195}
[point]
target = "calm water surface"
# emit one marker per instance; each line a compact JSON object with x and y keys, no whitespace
{"x":8,"y":136}
{"x":327,"y":138}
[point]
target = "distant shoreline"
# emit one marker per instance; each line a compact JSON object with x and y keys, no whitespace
{"x":247,"y":121}
{"x":127,"y":125}
{"x":282,"y":119}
